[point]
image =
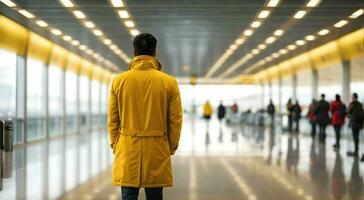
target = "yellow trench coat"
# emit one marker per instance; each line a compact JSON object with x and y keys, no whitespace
{"x":144,"y":123}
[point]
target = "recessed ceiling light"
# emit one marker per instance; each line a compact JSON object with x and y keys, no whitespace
{"x":129,"y":23}
{"x":8,"y":3}
{"x":248,"y":32}
{"x":123,"y":14}
{"x":262,"y":46}
{"x":89,"y":51}
{"x":310,"y":37}
{"x":233,"y":46}
{"x":42,"y":23}
{"x":356,"y":14}
{"x":300,"y":42}
{"x":341,"y":23}
{"x":134,"y":32}
{"x":299,"y":14}
{"x":270,"y":40}
{"x":264,"y":14}
{"x":239,"y":41}
{"x":255,"y":51}
{"x":275,"y":55}
{"x":89,"y":24}
{"x":113,"y":47}
{"x":56,"y":32}
{"x":283,"y":51}
{"x":97,"y":32}
{"x":117,"y":3}
{"x":291,"y":47}
{"x":79,"y":14}
{"x":278,"y":32}
{"x":324,"y":32}
{"x":66,"y":38}
{"x":75,"y":42}
{"x":107,"y":41}
{"x":256,"y":24}
{"x":268,"y":59}
{"x":82,"y":47}
{"x":273,"y":3}
{"x":26,"y":14}
{"x":67,"y":3}
{"x":313,"y":3}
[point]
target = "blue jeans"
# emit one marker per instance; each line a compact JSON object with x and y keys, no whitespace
{"x":131,"y":193}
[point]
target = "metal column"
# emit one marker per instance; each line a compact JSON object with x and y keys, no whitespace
{"x":314,"y":84}
{"x":294,"y":87}
{"x":345,"y":81}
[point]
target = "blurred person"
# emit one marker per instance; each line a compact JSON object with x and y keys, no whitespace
{"x":311,"y":117}
{"x":322,"y":117}
{"x":271,"y":111}
{"x":289,"y":107}
{"x":221,"y":111}
{"x":235,"y":108}
{"x":144,"y":123}
{"x":338,"y":114}
{"x":207,"y":113}
{"x":297,"y":115}
{"x":356,"y":116}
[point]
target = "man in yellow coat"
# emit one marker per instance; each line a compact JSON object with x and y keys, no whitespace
{"x":144,"y":122}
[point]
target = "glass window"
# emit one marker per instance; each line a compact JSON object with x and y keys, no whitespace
{"x":104,"y":96}
{"x":55,"y":84}
{"x":84,"y":102}
{"x":357,"y":77}
{"x":95,"y":103}
{"x":71,"y":102}
{"x":287,"y":91}
{"x":7,"y":84}
{"x":35,"y":99}
{"x":329,"y":81}
{"x":304,"y":94}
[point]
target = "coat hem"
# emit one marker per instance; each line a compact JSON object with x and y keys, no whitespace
{"x":142,"y":185}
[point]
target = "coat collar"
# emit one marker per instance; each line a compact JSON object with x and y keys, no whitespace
{"x":144,"y":62}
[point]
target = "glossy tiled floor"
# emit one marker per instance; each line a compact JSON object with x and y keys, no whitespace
{"x":221,"y":162}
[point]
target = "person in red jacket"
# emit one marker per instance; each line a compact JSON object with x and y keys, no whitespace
{"x":338,"y":113}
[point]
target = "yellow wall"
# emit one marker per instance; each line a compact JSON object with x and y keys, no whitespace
{"x":20,"y":40}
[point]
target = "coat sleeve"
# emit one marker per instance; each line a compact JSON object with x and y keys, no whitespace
{"x":174,"y":120}
{"x":113,"y":121}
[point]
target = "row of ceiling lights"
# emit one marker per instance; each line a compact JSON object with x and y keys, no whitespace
{"x":308,"y":38}
{"x":57,"y":32}
{"x":263,"y":14}
{"x":124,"y":15}
{"x":270,"y":40}
{"x":94,"y":29}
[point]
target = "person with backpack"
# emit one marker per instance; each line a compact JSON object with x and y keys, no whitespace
{"x":297,"y":115}
{"x":322,"y":117}
{"x":221,"y":111}
{"x":356,"y":116}
{"x":271,"y":111}
{"x":289,"y":107}
{"x":338,"y":113}
{"x":311,"y":117}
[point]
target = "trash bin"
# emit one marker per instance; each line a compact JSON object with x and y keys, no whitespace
{"x":8,"y":135}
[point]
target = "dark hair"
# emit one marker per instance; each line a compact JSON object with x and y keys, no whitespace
{"x":144,"y":44}
{"x":322,"y":96}
{"x":337,"y":97}
{"x":355,"y":95}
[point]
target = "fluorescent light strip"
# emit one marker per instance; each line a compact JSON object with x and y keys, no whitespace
{"x":67,"y":38}
{"x":273,"y":3}
{"x":300,"y":14}
{"x":129,"y":24}
{"x":79,"y":14}
{"x":341,"y":23}
{"x":67,"y":3}
{"x":313,"y":3}
{"x":264,"y":14}
{"x":323,"y":32}
{"x":89,"y":24}
{"x":134,"y":32}
{"x":256,"y":24}
{"x":356,"y":14}
{"x":123,"y":14}
{"x":41,"y":23}
{"x":278,"y":32}
{"x":97,"y":32}
{"x":8,"y":3}
{"x":117,"y":3}
{"x":26,"y":14}
{"x":56,"y":32}
{"x":310,"y":37}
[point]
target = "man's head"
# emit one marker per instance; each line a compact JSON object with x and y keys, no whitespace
{"x":322,"y":96}
{"x":145,"y":44}
{"x":337,"y":97}
{"x":355,"y":96}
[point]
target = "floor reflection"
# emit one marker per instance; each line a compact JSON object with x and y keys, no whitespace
{"x":214,"y":161}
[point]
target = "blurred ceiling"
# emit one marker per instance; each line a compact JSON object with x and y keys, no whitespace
{"x":193,"y":34}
